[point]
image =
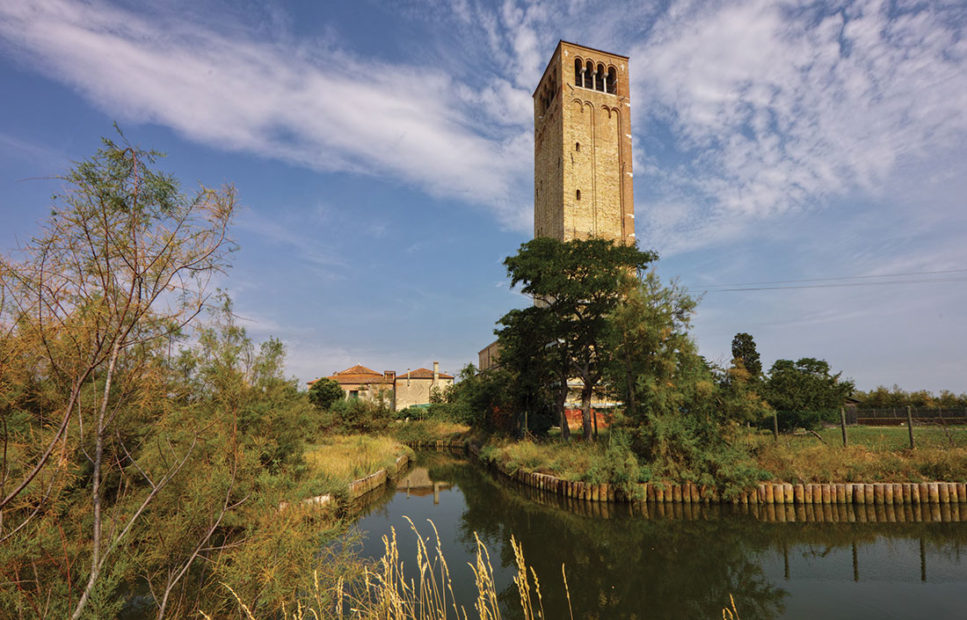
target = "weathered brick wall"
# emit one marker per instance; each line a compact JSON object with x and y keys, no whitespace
{"x":582,"y":152}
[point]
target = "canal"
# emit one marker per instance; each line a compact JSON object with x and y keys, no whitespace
{"x":663,"y":561}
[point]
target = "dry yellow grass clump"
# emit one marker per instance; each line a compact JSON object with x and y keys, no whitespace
{"x":871,"y":458}
{"x":425,"y":592}
{"x":572,"y":461}
{"x":344,"y":458}
{"x":428,"y":432}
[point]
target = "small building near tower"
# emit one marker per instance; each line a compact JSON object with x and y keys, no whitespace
{"x":418,"y":386}
{"x":398,"y":391}
{"x":365,"y":383}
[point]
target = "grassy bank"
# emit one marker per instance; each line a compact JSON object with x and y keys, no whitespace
{"x":335,"y":461}
{"x":874,"y":454}
{"x":428,"y":432}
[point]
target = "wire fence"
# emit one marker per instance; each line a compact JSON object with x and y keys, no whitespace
{"x":896,"y":416}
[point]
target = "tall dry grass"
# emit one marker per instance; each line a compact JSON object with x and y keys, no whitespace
{"x":344,"y":458}
{"x":871,"y":458}
{"x":385,"y":592}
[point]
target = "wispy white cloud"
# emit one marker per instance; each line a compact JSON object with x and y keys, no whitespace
{"x":784,"y":106}
{"x":14,"y":148}
{"x":747,"y":110}
{"x":314,"y":106}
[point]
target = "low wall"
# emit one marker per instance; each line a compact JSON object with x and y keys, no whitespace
{"x":781,"y":493}
{"x":360,"y":487}
{"x":880,"y":493}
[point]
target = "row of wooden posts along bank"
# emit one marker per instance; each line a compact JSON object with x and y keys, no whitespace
{"x":769,"y":513}
{"x":878,"y":493}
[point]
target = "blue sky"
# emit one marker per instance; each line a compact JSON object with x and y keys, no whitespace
{"x":383,"y":154}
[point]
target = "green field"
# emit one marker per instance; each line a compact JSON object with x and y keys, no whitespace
{"x":892,"y":438}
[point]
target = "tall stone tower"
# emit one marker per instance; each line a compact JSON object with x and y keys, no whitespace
{"x":582,"y":147}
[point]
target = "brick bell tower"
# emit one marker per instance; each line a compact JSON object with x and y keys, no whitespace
{"x":582,"y":147}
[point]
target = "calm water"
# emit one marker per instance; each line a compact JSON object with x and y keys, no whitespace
{"x":677,"y":563}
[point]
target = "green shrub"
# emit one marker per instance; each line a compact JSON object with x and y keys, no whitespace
{"x":809,"y":420}
{"x":324,"y":393}
{"x":356,"y":415}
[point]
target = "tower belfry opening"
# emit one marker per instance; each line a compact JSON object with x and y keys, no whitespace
{"x":583,"y":100}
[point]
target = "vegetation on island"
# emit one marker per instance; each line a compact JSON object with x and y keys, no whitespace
{"x":601,"y":320}
{"x":147,"y":442}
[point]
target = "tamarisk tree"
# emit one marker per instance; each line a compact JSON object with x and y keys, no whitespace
{"x":124,"y":262}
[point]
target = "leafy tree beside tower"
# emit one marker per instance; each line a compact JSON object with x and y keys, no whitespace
{"x":576,"y":285}
{"x":744,"y":350}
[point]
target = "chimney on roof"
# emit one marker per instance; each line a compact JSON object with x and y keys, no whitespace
{"x":389,"y":376}
{"x":436,"y":372}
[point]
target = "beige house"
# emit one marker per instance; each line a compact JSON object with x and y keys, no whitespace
{"x":416,"y":386}
{"x":400,"y":392}
{"x":361,"y":382}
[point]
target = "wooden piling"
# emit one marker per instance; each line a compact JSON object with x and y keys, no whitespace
{"x":910,"y":427}
{"x":878,"y":493}
{"x":944,"y":492}
{"x":842,"y":423}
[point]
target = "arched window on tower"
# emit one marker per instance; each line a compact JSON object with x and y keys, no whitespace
{"x":599,"y":78}
{"x":589,"y":75}
{"x":578,"y":78}
{"x":612,"y":81}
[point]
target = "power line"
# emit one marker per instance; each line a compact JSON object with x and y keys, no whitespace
{"x":837,"y":281}
{"x":841,"y":285}
{"x":885,"y":275}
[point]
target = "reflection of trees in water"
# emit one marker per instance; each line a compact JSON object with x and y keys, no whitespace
{"x":629,"y":566}
{"x":622,"y":567}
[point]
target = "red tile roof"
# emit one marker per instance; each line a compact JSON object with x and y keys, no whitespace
{"x":422,"y":373}
{"x":359,"y":374}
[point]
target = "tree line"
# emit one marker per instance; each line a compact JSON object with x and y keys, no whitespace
{"x":897,"y":398}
